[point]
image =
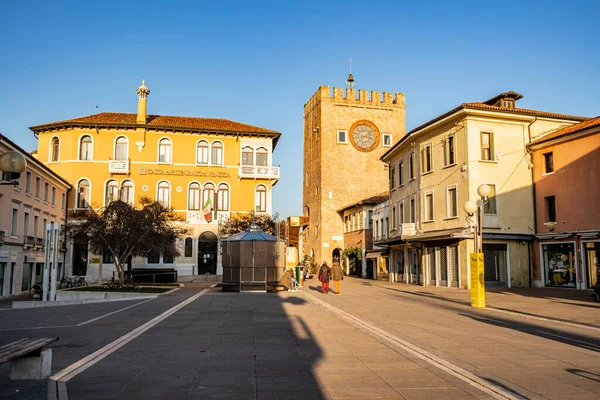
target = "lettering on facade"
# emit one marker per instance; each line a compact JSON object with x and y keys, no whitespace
{"x":181,"y":172}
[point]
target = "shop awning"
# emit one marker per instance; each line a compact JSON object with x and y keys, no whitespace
{"x":376,"y":254}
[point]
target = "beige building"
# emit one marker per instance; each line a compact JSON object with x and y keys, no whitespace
{"x":25,"y":210}
{"x":345,"y":133}
{"x":439,"y":165}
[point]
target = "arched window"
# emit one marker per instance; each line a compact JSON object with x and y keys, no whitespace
{"x":216,"y":154}
{"x":54,"y":149}
{"x":121,"y":149}
{"x":112,"y":192}
{"x":194,"y":196}
{"x":260,"y":199}
{"x":208,"y":199}
{"x":85,"y":148}
{"x":164,"y":151}
{"x":202,"y":152}
{"x":83,"y":194}
{"x":188,"y":247}
{"x":247,"y":156}
{"x":127,"y":192}
{"x":261,"y":156}
{"x":223,"y":198}
{"x":164,"y":192}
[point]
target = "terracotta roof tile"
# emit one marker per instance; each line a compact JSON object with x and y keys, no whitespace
{"x":111,"y":118}
{"x":483,"y":106}
{"x":590,"y":123}
{"x":377,"y":199}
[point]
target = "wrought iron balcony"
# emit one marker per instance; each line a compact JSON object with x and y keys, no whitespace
{"x":39,"y":242}
{"x":28,"y":241}
{"x":118,"y":166}
{"x":258,"y":171}
{"x":2,"y":236}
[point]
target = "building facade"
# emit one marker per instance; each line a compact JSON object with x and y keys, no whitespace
{"x":345,"y":133}
{"x":25,"y":210}
{"x":359,"y":232}
{"x":205,"y":169}
{"x":566,"y":175}
{"x":439,"y":165}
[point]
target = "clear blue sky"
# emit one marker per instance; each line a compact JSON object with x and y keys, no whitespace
{"x":259,"y":62}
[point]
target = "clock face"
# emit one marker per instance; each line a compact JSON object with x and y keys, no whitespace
{"x":364,"y":135}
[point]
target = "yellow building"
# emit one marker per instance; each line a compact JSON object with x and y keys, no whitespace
{"x":205,"y":169}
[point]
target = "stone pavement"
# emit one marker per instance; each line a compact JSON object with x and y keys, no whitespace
{"x":563,"y":304}
{"x":536,"y":359}
{"x":293,"y":346}
{"x":261,"y":346}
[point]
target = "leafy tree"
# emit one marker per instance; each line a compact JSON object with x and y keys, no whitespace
{"x":239,"y":222}
{"x":125,"y":231}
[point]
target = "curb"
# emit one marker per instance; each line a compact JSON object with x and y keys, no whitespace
{"x":19,"y":305}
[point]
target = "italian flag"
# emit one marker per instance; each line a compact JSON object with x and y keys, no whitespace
{"x":207,"y":211}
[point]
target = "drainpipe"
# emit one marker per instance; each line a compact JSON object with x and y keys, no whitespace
{"x":534,"y":200}
{"x":66,"y":221}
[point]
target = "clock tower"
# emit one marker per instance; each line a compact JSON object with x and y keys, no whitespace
{"x":345,"y":133}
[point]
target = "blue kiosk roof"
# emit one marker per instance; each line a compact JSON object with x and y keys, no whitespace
{"x":252,"y":233}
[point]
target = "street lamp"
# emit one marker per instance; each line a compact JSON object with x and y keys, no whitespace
{"x":476,"y":258}
{"x":12,"y":163}
{"x":471,"y":208}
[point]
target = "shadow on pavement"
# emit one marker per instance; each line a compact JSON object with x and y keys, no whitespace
{"x":584,"y":374}
{"x":222,"y":345}
{"x":569,"y":338}
{"x":503,"y":386}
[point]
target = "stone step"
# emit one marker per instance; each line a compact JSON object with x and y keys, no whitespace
{"x":200,"y":278}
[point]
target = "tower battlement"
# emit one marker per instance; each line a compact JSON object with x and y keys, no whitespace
{"x":354,"y":96}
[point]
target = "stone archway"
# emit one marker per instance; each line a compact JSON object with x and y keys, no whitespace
{"x":336,"y":255}
{"x":207,"y":253}
{"x":80,"y":254}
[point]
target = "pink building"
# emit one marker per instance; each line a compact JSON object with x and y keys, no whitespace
{"x":566,"y":170}
{"x":39,"y":199}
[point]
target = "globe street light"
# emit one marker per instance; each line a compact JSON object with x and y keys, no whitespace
{"x":12,"y":163}
{"x":477,"y":267}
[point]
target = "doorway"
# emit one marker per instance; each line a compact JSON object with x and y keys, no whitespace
{"x":80,"y":254}
{"x":335,"y":256}
{"x":495,"y":265}
{"x":592,"y":262}
{"x":207,"y":253}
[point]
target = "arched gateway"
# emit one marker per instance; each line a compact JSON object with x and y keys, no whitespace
{"x":207,"y":253}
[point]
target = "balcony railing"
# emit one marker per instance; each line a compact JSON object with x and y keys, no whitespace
{"x":197,"y":216}
{"x":2,"y":236}
{"x":28,"y":241}
{"x":118,"y":166}
{"x":265,"y":172}
{"x":39,"y":242}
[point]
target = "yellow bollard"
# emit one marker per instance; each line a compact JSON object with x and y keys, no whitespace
{"x":477,"y":281}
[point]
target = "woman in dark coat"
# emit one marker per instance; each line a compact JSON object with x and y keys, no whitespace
{"x":325,"y":277}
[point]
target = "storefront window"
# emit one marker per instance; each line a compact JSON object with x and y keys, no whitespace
{"x":559,"y":264}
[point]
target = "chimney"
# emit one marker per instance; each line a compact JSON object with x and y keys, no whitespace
{"x":143,"y":93}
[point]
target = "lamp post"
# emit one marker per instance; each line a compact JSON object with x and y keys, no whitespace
{"x":477,"y":260}
{"x":12,"y":163}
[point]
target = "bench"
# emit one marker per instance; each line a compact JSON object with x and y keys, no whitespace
{"x":29,"y":360}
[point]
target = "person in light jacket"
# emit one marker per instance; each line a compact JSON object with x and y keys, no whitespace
{"x":338,"y":276}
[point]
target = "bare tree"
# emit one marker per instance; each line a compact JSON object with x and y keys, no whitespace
{"x":125,"y":231}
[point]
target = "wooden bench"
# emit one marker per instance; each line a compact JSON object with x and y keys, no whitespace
{"x":29,"y":360}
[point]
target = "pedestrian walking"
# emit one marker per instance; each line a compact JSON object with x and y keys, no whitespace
{"x":325,"y":277}
{"x":338,"y":276}
{"x":304,"y":273}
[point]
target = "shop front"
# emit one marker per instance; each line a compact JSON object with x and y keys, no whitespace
{"x":559,"y":264}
